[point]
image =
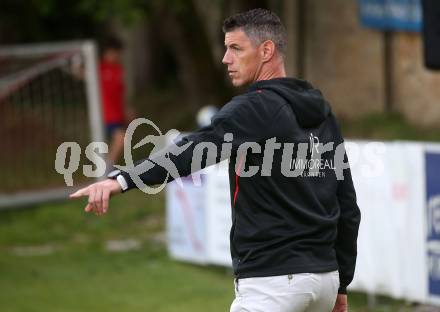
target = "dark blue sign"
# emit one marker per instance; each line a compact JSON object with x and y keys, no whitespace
{"x":432,"y":161}
{"x":403,"y":15}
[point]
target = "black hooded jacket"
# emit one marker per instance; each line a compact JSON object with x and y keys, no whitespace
{"x":282,"y":222}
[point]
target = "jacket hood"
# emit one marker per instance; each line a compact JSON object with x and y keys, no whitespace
{"x":308,"y":104}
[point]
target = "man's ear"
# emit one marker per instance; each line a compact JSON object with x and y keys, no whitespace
{"x":267,"y":50}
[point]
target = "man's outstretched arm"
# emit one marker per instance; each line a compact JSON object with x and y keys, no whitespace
{"x":99,"y":193}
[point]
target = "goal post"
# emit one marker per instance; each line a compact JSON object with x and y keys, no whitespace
{"x":49,"y":94}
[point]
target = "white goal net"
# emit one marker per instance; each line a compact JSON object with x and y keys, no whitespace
{"x":49,"y":94}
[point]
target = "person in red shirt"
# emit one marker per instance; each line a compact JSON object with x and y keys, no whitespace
{"x":113,"y":97}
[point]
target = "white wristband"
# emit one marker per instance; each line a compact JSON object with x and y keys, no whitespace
{"x":122,"y":182}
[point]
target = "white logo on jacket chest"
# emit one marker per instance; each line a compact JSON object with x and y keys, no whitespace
{"x":314,"y":144}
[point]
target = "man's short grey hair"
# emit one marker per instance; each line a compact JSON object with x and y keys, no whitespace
{"x":259,"y":25}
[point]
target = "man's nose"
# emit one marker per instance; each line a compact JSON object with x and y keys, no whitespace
{"x":226,"y":58}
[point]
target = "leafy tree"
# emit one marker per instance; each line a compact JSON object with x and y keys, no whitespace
{"x":177,"y":28}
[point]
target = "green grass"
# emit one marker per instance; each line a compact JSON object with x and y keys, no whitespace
{"x":79,"y":274}
{"x":96,"y":280}
{"x":387,"y":127}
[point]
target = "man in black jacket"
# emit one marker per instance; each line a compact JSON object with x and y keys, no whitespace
{"x":295,"y":219}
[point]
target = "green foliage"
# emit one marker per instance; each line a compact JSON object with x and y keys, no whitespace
{"x":128,"y":11}
{"x":45,"y":7}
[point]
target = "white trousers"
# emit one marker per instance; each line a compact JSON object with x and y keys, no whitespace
{"x":304,"y":292}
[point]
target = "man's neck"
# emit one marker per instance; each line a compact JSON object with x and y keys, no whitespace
{"x":272,"y":72}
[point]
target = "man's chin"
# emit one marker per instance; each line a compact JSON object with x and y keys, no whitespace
{"x":237,"y":82}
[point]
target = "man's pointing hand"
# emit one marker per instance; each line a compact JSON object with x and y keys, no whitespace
{"x":99,"y":195}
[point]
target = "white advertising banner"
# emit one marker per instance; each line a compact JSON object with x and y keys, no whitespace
{"x":199,"y":217}
{"x":391,"y":250}
{"x":186,"y":224}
